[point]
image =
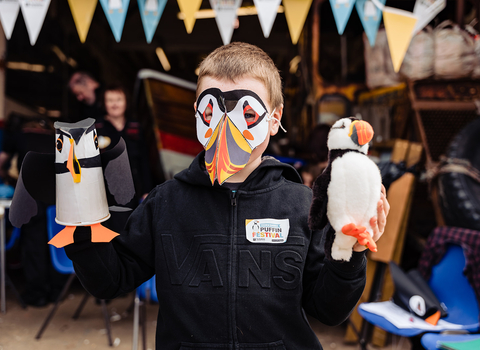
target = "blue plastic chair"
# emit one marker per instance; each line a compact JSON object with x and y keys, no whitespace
{"x":13,"y":239}
{"x":452,"y":288}
{"x":64,"y":265}
{"x":145,"y":293}
{"x":8,"y":282}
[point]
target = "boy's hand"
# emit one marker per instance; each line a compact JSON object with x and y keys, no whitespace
{"x":377,"y":223}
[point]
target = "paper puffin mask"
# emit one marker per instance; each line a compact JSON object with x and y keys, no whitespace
{"x":73,"y":179}
{"x":230,"y":125}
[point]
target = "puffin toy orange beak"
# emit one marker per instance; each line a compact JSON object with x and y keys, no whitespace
{"x":361,"y":132}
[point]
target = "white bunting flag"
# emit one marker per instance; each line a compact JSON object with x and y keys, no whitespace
{"x":426,"y":11}
{"x":34,"y":12}
{"x":267,"y":11}
{"x":225,"y":16}
{"x":8,"y":15}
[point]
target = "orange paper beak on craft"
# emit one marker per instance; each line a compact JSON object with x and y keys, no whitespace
{"x":361,"y":132}
{"x":73,"y":165}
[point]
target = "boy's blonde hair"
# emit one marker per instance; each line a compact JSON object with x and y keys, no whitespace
{"x":239,"y":60}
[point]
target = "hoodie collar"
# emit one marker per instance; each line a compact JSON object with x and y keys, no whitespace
{"x":267,"y":174}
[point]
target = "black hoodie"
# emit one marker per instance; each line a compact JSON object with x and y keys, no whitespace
{"x":216,"y":289}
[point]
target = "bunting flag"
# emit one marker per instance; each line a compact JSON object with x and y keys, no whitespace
{"x":342,"y":9}
{"x":151,"y":11}
{"x":267,"y":11}
{"x":426,"y":11}
{"x":8,"y":15}
{"x":189,"y":8}
{"x":82,"y":12}
{"x":371,"y":17}
{"x":116,"y":11}
{"x":34,"y":12}
{"x":296,"y":12}
{"x":225,"y":16}
{"x":399,"y":26}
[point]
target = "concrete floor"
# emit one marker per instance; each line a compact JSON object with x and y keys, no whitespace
{"x":18,"y":327}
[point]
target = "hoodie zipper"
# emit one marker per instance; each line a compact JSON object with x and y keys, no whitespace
{"x":233,"y":268}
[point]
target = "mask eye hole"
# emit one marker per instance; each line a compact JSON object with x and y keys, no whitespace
{"x":251,"y":117}
{"x":207,"y":113}
{"x":60,"y":144}
{"x":95,"y":139}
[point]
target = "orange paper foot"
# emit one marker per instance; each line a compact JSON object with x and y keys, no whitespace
{"x":64,"y":237}
{"x":102,"y":234}
{"x":362,"y":236}
{"x":99,"y":234}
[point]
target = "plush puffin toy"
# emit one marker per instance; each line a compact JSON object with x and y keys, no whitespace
{"x":348,"y":190}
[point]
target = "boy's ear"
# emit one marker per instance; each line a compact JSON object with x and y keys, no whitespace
{"x":195,"y":105}
{"x":277,"y":115}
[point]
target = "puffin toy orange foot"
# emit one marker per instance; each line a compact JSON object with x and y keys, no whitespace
{"x":361,"y":234}
{"x":346,"y":194}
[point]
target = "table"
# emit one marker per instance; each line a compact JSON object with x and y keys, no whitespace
{"x":4,"y":204}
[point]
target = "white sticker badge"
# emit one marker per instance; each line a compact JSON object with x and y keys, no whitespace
{"x":267,"y":230}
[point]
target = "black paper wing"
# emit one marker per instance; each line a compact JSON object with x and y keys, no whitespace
{"x":117,"y":173}
{"x":36,"y":182}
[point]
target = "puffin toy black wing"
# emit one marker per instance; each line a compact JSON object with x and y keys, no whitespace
{"x":78,"y":178}
{"x":347,"y":192}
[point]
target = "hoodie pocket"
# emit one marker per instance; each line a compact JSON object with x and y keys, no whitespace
{"x":278,"y":345}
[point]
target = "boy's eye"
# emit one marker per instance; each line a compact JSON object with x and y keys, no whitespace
{"x":249,"y":117}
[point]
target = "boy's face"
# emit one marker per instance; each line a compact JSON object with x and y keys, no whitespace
{"x":233,"y":124}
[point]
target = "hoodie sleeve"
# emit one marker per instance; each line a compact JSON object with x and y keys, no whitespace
{"x":108,"y":270}
{"x":331,"y":288}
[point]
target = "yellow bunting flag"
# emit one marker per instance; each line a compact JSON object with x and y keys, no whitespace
{"x":188,"y":8}
{"x":296,"y":12}
{"x":82,"y":12}
{"x":399,"y":27}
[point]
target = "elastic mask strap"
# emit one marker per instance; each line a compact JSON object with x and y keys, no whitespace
{"x":270,"y":117}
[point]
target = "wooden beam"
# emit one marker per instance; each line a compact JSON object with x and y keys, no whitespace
{"x":460,"y":10}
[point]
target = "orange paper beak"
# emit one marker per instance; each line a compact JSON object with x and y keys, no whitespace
{"x":73,"y":165}
{"x":361,"y":132}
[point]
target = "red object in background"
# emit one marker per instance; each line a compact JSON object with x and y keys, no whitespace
{"x":180,"y":144}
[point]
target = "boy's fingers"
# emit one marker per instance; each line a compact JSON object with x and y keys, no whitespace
{"x":376,"y":231}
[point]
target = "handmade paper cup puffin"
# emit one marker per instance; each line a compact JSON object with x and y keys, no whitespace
{"x":73,"y":179}
{"x":348,"y":190}
{"x":230,"y":125}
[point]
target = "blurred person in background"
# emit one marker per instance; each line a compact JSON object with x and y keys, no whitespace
{"x":116,"y":123}
{"x":87,"y":90}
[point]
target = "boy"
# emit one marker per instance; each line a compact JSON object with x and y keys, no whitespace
{"x":222,"y":282}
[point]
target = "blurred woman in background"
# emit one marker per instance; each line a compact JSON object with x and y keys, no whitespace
{"x":117,"y":123}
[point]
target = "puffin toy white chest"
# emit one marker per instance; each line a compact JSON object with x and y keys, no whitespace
{"x":347,"y":192}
